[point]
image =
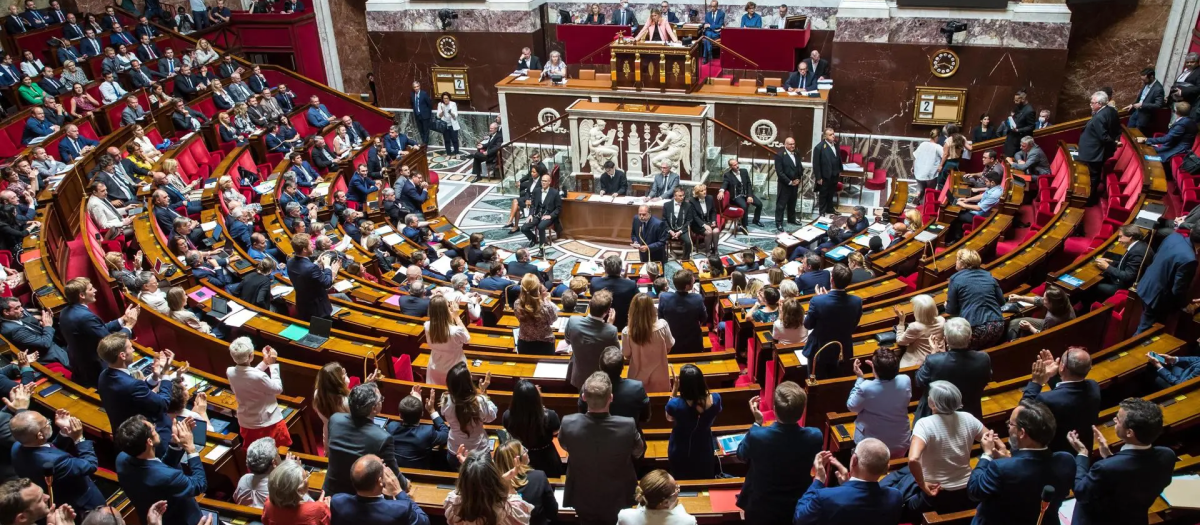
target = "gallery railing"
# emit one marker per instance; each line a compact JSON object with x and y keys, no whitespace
{"x":551,"y":140}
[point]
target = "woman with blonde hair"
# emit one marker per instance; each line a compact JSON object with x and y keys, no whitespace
{"x":170,"y":168}
{"x":923,"y":336}
{"x":145,"y":144}
{"x":645,"y":342}
{"x":288,"y":502}
{"x":177,"y":306}
{"x":778,"y":258}
{"x":446,"y":335}
{"x":341,"y":141}
{"x":974,"y":295}
{"x":913,"y":219}
{"x":115,"y":263}
{"x":536,"y":314}
{"x":658,"y":503}
{"x":241,"y":120}
{"x":204,"y":53}
{"x":594,"y":17}
{"x":234,"y":198}
{"x":532,"y":484}
{"x":657,"y":29}
{"x":789,"y":328}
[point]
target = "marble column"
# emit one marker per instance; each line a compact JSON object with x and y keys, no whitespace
{"x":1176,"y":38}
{"x":333,"y":70}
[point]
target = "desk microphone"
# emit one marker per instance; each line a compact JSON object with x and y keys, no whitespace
{"x":1047,"y":495}
{"x":48,"y":475}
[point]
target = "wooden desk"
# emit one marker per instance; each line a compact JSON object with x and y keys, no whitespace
{"x":601,"y":221}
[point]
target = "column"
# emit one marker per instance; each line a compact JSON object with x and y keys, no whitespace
{"x":333,"y":66}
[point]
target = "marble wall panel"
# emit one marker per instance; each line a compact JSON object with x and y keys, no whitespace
{"x":980,"y":32}
{"x":469,"y":21}
{"x":823,"y":18}
{"x":349,"y":23}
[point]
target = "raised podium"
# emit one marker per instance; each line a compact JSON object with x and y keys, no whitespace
{"x":587,"y":44}
{"x":643,"y":66}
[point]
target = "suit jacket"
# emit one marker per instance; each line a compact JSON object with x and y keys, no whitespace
{"x":165,"y":217}
{"x":410,"y":197}
{"x":684,"y":313}
{"x":491,"y":146}
{"x":312,"y":284}
{"x":629,"y":18}
{"x":69,"y":149}
{"x":653,"y":234}
{"x":969,"y":370}
{"x":183,"y":121}
{"x":854,"y":502}
{"x":778,"y":461}
{"x":1010,"y":490}
{"x":1178,"y":139}
{"x":130,"y":115}
{"x":185,"y":86}
{"x":359,"y":189}
{"x":820,"y":69}
{"x":532,"y":63}
{"x":257,"y":84}
{"x":256,"y":290}
{"x":714,"y":20}
{"x":422,"y":105}
{"x":1075,"y":407}
{"x":146,"y":53}
{"x":1032,"y":163}
{"x":28,"y":335}
{"x":737,"y":185}
{"x":594,"y":19}
{"x":588,"y":337}
{"x":826,"y":165}
{"x":415,"y":444}
{"x":1165,"y":283}
{"x":1120,"y":489}
{"x":123,"y":37}
{"x":623,"y":290}
{"x":146,"y":482}
{"x":413,"y":306}
{"x":91,"y":47}
{"x":397,"y":145}
{"x":617,"y":184}
{"x":1124,"y":271}
{"x":808,"y":83}
{"x":832,"y":316}
{"x":83,"y":331}
{"x":144,"y":29}
{"x":787,"y":170}
{"x":602,"y":446}
{"x":663,"y":187}
{"x":73,"y":466}
{"x":73,"y":31}
{"x":1154,"y":99}
{"x":352,"y":508}
{"x":549,"y":203}
{"x":35,"y":128}
{"x":677,"y":222}
{"x":318,"y":117}
{"x":518,"y":269}
{"x":1095,"y":138}
{"x":348,"y":441}
{"x":707,"y":215}
{"x":53,"y":86}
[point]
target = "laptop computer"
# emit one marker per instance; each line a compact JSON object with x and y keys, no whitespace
{"x":318,"y":332}
{"x":220,"y":307}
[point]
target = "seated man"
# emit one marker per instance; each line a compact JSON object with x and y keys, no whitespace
{"x":522,"y":265}
{"x":397,"y":143}
{"x":210,"y":268}
{"x":801,"y":80}
{"x":110,"y":89}
{"x":486,"y":150}
{"x":415,"y":231}
{"x":1122,"y":273}
{"x":104,"y":214}
{"x":1173,"y":370}
{"x":158,"y":181}
{"x":37,"y":127}
{"x":612,"y":181}
{"x":991,"y":164}
{"x":361,"y":186}
{"x":544,"y":211}
{"x":1031,"y":160}
{"x":858,"y":498}
{"x":975,"y":206}
{"x":413,"y":191}
{"x":322,"y":157}
{"x":73,"y":145}
{"x":186,"y":119}
{"x":414,"y":441}
{"x":318,"y":115}
{"x":390,"y":207}
{"x":30,"y":333}
{"x":1178,"y":139}
{"x":416,"y":302}
{"x":664,"y":184}
{"x":649,"y":236}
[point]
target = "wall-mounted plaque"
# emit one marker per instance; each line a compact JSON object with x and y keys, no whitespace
{"x":939,"y":106}
{"x":452,"y":80}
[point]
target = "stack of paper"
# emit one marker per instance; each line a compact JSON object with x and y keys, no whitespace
{"x":809,"y":233}
{"x":800,"y":356}
{"x":208,"y":226}
{"x":786,"y":239}
{"x":280,"y":290}
{"x":545,"y":370}
{"x":234,"y":307}
{"x":393,"y":239}
{"x":541,"y":264}
{"x":342,"y":286}
{"x":560,"y":324}
{"x":383,"y":230}
{"x":442,"y":265}
{"x":239,"y":318}
{"x":926,"y":236}
{"x":791,"y":269}
{"x":601,"y":198}
{"x":1183,"y":492}
{"x":588,"y":268}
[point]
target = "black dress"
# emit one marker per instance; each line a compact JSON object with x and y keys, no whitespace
{"x":979,"y":135}
{"x":538,"y":492}
{"x":543,"y":455}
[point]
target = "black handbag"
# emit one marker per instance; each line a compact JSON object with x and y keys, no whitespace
{"x":440,"y":126}
{"x":886,"y":339}
{"x":1191,"y":163}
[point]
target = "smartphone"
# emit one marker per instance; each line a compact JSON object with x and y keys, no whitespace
{"x":1157,"y":357}
{"x":142,"y":363}
{"x":50,"y":390}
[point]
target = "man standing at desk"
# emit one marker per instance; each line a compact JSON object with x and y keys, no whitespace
{"x":649,"y":236}
{"x":664,"y":183}
{"x":827,"y":169}
{"x":788,"y":172}
{"x":817,"y":65}
{"x":714,"y":20}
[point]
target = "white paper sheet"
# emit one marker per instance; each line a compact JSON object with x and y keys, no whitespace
{"x":216,"y":452}
{"x":342,"y":286}
{"x":238,"y":319}
{"x":800,"y":356}
{"x":442,"y":265}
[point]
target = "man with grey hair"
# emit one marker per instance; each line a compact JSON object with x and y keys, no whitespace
{"x":1031,"y":159}
{"x":858,"y":498}
{"x":969,"y":370}
{"x":390,"y":207}
{"x":664,"y":183}
{"x":1097,"y":142}
{"x":350,"y":219}
{"x":1187,"y":83}
{"x":256,"y":389}
{"x":261,"y":458}
{"x":1072,"y":398}
{"x":602,"y":477}
{"x":1179,"y":137}
{"x":210,"y":268}
{"x":353,"y":435}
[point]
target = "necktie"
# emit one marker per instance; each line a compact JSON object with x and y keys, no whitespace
{"x":53,"y":83}
{"x":75,"y":144}
{"x":150,"y":51}
{"x":325,"y":113}
{"x":38,"y":16}
{"x":170,"y":66}
{"x":21,"y":23}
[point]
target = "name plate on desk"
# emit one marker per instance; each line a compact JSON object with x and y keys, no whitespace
{"x":641,"y":108}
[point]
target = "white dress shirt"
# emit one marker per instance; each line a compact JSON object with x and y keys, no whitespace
{"x":255,"y":390}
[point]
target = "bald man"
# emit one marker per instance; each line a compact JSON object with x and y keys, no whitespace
{"x":649,"y":236}
{"x":858,"y":498}
{"x":1072,"y":398}
{"x":379,"y":498}
{"x":71,"y":459}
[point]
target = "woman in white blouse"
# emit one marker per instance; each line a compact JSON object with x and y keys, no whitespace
{"x":125,"y":56}
{"x":447,"y":110}
{"x":446,"y":335}
{"x":555,"y":66}
{"x":466,"y":409}
{"x":170,"y":167}
{"x":341,"y":141}
{"x":921,"y":337}
{"x":145,"y":144}
{"x":150,"y":294}
{"x":31,"y":66}
{"x":205,"y":53}
{"x":459,"y":292}
{"x":256,"y":388}
{"x":658,"y":503}
{"x":177,"y":304}
{"x":234,"y":198}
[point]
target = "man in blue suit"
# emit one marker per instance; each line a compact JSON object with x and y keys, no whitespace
{"x":415,"y":442}
{"x":1178,"y":139}
{"x":858,"y":498}
{"x":318,"y":115}
{"x":361,"y":186}
{"x":83,"y":330}
{"x":306,"y":176}
{"x":811,"y":275}
{"x":413,"y":191}
{"x":1073,"y":399}
{"x":397,"y":143}
{"x":37,"y":127}
{"x":622,"y":289}
{"x":714,"y":20}
{"x":74,"y":145}
{"x":684,"y":312}
{"x":1120,"y":488}
{"x":649,"y":234}
{"x":1009,"y":485}
{"x":71,"y":458}
{"x":832,"y":316}
{"x":120,"y":36}
{"x":146,"y":480}
{"x":124,"y":396}
{"x":241,"y":226}
{"x":311,"y":280}
{"x":379,"y":498}
{"x":211,"y":268}
{"x":777,"y":458}
{"x":1165,"y":283}
{"x":802,"y":79}
{"x":495,"y":279}
{"x":422,"y":107}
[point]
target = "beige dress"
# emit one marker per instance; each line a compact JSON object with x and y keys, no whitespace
{"x":921,"y":341}
{"x":648,"y":362}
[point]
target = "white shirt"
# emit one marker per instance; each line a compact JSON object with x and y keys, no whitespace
{"x":948,"y":439}
{"x":478,"y":438}
{"x":111,"y":92}
{"x":926,"y":160}
{"x":443,"y":356}
{"x":255,"y":391}
{"x":644,"y":516}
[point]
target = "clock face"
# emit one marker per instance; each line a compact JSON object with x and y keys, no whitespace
{"x":447,"y":47}
{"x":944,"y":63}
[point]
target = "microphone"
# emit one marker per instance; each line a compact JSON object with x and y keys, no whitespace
{"x":1047,"y":495}
{"x":48,"y":475}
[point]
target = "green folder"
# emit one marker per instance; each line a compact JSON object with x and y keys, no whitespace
{"x":294,"y":332}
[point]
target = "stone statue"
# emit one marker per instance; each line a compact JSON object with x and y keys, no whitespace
{"x":597,"y":145}
{"x":672,"y":145}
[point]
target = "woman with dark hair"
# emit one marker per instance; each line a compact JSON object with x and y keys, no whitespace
{"x":766,"y":310}
{"x":530,"y":483}
{"x":952,"y":152}
{"x":465,"y":410}
{"x":1058,"y":310}
{"x":329,"y":398}
{"x":716,"y":268}
{"x":483,"y":495}
{"x":984,"y":131}
{"x":447,"y":111}
{"x":692,"y":409}
{"x":529,"y":421}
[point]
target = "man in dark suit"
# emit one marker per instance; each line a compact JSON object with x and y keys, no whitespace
{"x":600,"y":477}
{"x":612,"y":181}
{"x":521,"y":266}
{"x":361,"y":187}
{"x":817,"y":65}
{"x":623,"y":289}
{"x":1023,"y":120}
{"x":1179,"y":137}
{"x":677,"y":216}
{"x":90,"y":44}
{"x":802,"y":79}
{"x":185,"y":119}
{"x":422,"y":107}
{"x":15,"y":24}
{"x":353,"y":435}
{"x":33,"y":17}
{"x":124,"y":396}
{"x":83,"y":330}
{"x":146,"y":480}
{"x":72,"y":30}
{"x":684,"y":312}
{"x":778,"y":458}
{"x":736,"y":183}
{"x":1187,"y":84}
{"x":416,"y":302}
{"x":397,"y":144}
{"x":1031,"y":159}
{"x":1149,"y":99}
{"x":827,"y":170}
{"x":528,"y":60}
{"x":486,"y":150}
{"x":858,"y":498}
{"x":629,"y":395}
{"x":969,"y":370}
{"x":1121,"y":273}
{"x":832,"y":316}
{"x":311,"y":280}
{"x":788,"y":172}
{"x":623,"y":15}
{"x":37,"y":127}
{"x":257,"y":82}
{"x":1165,"y":284}
{"x":377,"y":498}
{"x":414,"y":441}
{"x":377,"y":161}
{"x":66,"y":51}
{"x":71,"y":458}
{"x":31,"y":334}
{"x":812,"y":276}
{"x":1120,"y":488}
{"x":1073,"y":399}
{"x":1009,"y":485}
{"x":51,"y":85}
{"x":589,"y":336}
{"x":1096,"y":141}
{"x":547,"y":204}
{"x":649,"y":234}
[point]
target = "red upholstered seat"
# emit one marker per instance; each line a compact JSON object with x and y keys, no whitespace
{"x":878,"y":180}
{"x":730,"y":213}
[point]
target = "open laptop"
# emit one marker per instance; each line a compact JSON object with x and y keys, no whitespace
{"x":318,"y":332}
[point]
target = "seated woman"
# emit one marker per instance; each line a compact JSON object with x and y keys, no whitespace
{"x":524,"y":192}
{"x":227,"y":131}
{"x":30,"y":92}
{"x":555,"y":66}
{"x":657,"y":29}
{"x":594,"y":17}
{"x":234,"y":198}
{"x":82,"y":103}
{"x":144,"y":143}
{"x":341,"y":142}
{"x":1058,"y":310}
{"x":751,"y":18}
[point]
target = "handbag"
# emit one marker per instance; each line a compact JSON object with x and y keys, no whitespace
{"x":1191,"y":163}
{"x":440,"y":126}
{"x":886,"y":339}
